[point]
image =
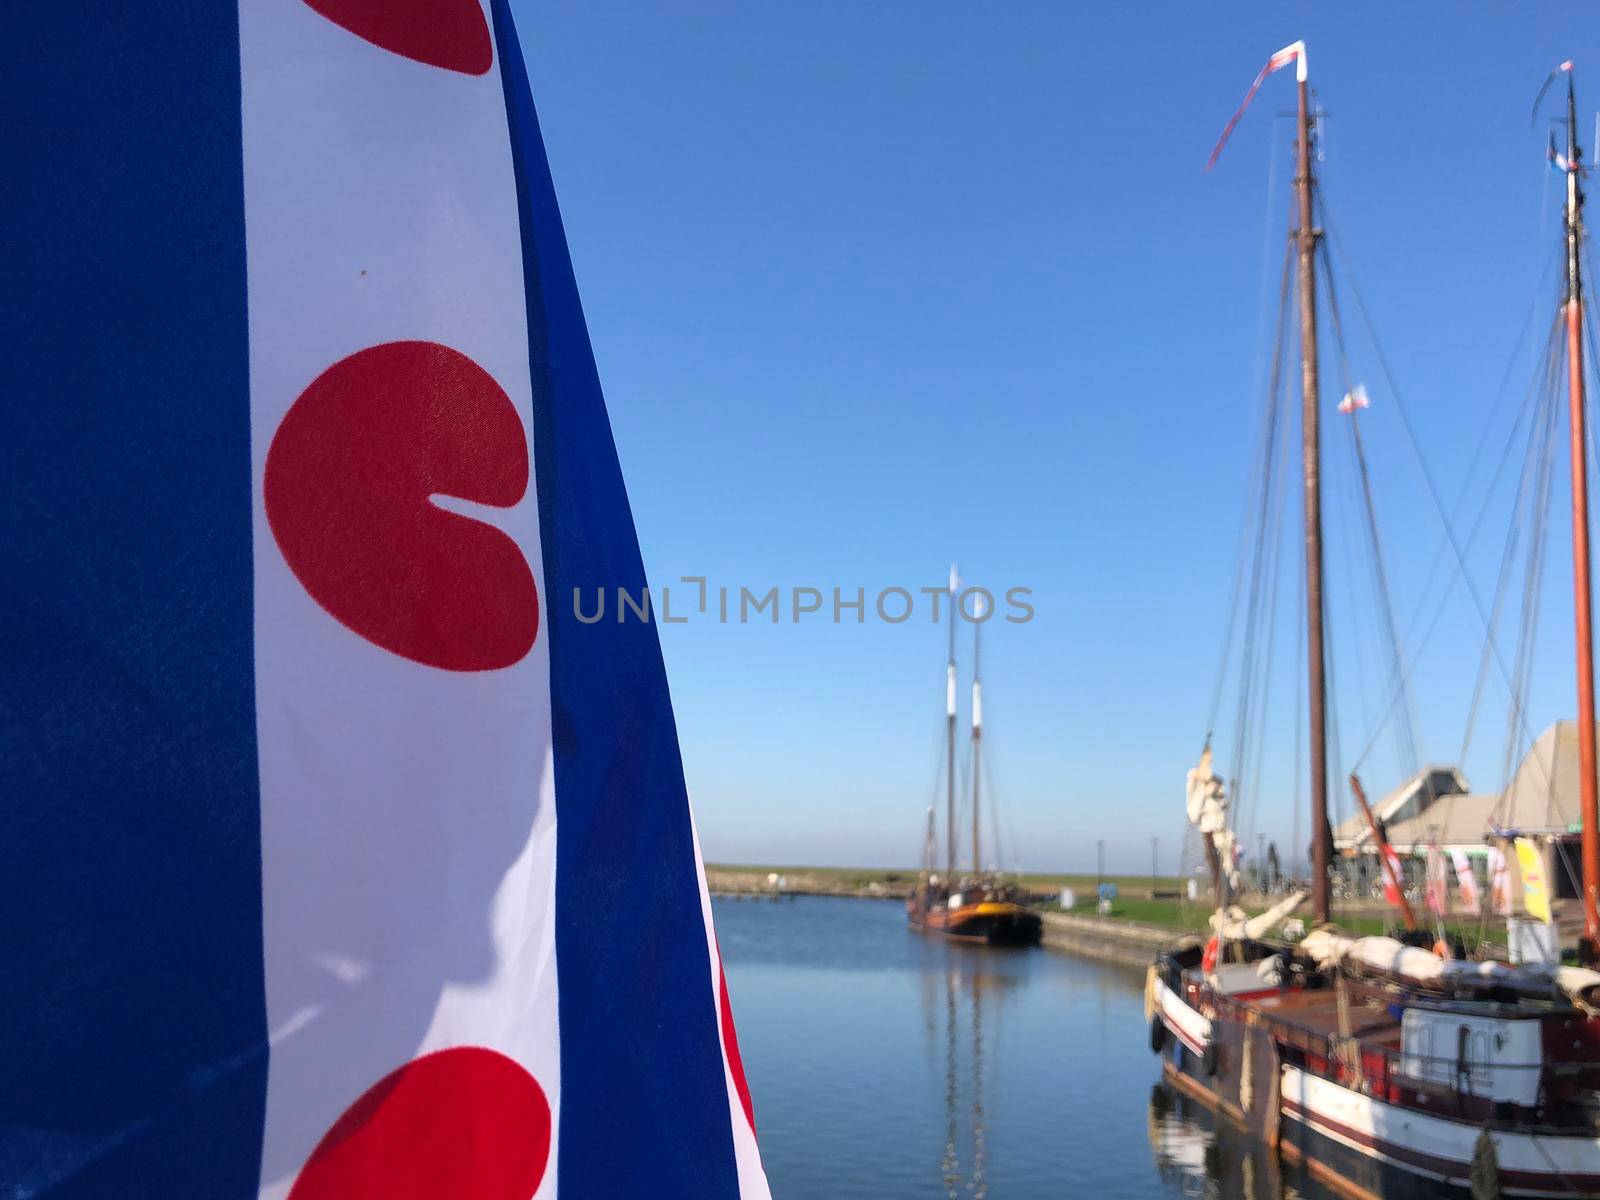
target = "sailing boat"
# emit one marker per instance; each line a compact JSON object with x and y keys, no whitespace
{"x":980,"y":906}
{"x":1385,"y":1069}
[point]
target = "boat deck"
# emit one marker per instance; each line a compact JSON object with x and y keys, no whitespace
{"x":1316,"y":1012}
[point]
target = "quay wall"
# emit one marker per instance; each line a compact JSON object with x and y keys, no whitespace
{"x":755,"y":884}
{"x":1108,"y":940}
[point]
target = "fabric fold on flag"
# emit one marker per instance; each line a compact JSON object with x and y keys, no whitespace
{"x":330,"y":822}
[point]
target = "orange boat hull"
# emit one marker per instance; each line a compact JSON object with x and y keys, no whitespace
{"x":993,"y":921}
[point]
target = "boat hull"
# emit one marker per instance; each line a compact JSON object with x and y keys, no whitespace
{"x":1356,"y":1144}
{"x":1000,"y":923}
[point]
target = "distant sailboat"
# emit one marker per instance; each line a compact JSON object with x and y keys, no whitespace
{"x":980,"y":906}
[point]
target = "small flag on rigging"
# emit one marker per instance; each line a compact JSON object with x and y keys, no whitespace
{"x":1355,"y":398}
{"x":1558,"y":161}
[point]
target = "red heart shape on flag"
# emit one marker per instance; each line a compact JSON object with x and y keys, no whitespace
{"x":441,"y":33}
{"x":467,"y":1121}
{"x":350,"y":485}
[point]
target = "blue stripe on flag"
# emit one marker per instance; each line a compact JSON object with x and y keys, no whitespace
{"x":132,"y":1011}
{"x":644,"y":1104}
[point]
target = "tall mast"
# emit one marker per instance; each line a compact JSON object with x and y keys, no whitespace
{"x":1582,"y":612}
{"x":1306,"y":239}
{"x":977,"y":741}
{"x":950,"y":745}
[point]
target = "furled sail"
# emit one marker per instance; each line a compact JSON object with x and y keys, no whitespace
{"x":1206,"y":802}
{"x":1233,"y":922}
{"x":1383,"y":956}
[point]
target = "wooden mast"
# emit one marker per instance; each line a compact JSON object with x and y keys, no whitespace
{"x":1306,"y":240}
{"x":950,"y":746}
{"x":977,"y":741}
{"x":1582,"y":611}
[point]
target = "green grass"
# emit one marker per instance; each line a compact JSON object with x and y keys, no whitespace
{"x":1173,"y":914}
{"x":1133,"y":902}
{"x":1170,"y":914}
{"x":1176,"y":914}
{"x":1039,"y":881}
{"x":858,"y":877}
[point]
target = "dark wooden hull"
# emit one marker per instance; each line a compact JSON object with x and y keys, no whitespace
{"x":997,"y":923}
{"x":1346,"y":1170}
{"x":1383,"y":1152}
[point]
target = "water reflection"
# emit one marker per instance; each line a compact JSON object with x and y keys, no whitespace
{"x":1204,"y":1157}
{"x":967,"y":987}
{"x":887,"y":1065}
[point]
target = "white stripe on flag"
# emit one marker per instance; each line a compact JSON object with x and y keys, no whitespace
{"x":752,"y":1175}
{"x":407,"y":810}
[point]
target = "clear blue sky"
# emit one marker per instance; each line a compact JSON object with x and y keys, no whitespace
{"x":875,"y":287}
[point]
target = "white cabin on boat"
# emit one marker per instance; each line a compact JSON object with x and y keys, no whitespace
{"x":1493,"y":1053}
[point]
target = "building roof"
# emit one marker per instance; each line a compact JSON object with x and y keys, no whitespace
{"x":1462,"y":820}
{"x":1541,"y":799}
{"x":1542,"y":796}
{"x":1417,"y":795}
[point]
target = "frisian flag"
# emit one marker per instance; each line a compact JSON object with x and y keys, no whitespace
{"x":337,"y":859}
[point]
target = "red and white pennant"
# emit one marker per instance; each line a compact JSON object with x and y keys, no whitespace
{"x":1295,"y":53}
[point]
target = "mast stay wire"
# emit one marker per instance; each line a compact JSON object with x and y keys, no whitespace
{"x":1250,"y":535}
{"x":1005,"y":843}
{"x":1591,"y":363}
{"x":1260,"y":375}
{"x":1405,"y":722}
{"x":934,"y":796}
{"x":1267,"y":522}
{"x":1518,"y":683}
{"x":1533,"y":407}
{"x":1427,"y":476}
{"x":1267,"y":373}
{"x":1254,"y":498}
{"x":1248,"y":801}
{"x":1472,"y":464}
{"x":1295,"y":846}
{"x":1338,"y":516}
{"x":1405,"y":418}
{"x":1537,"y":515}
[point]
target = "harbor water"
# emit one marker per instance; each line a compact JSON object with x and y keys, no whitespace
{"x":885,"y":1064}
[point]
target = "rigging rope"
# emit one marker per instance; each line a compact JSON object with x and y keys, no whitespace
{"x":1248,"y":805}
{"x":1255,"y":496}
{"x":1532,"y":407}
{"x":1405,"y":722}
{"x":1296,"y":846}
{"x":1264,"y":526}
{"x":1532,"y":588}
{"x":1427,"y":476}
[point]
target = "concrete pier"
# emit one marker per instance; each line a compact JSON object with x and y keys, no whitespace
{"x":1108,"y":940}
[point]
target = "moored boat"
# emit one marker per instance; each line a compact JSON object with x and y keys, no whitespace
{"x":987,"y":910}
{"x":981,"y":906}
{"x":1386,"y":1069}
{"x":1384,"y":1084}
